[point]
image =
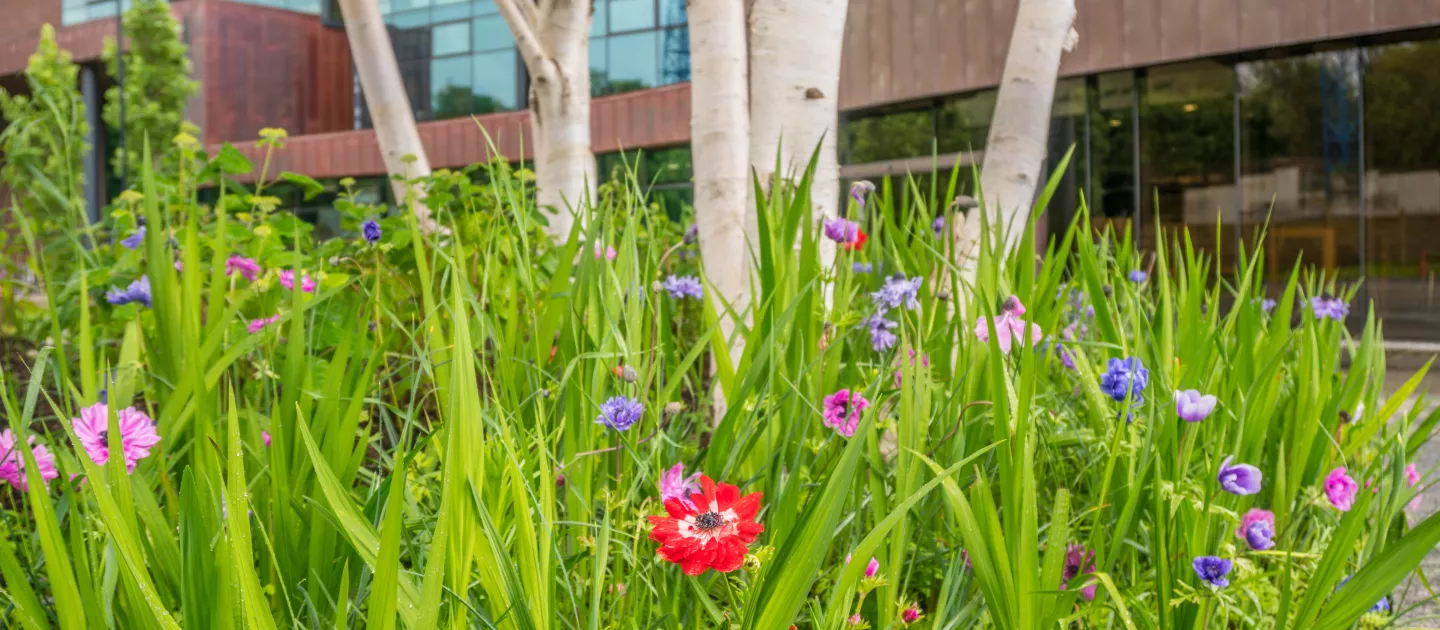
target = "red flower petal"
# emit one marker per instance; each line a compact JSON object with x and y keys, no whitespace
{"x":860,"y":238}
{"x":699,"y":561}
{"x":677,"y":509}
{"x":725,"y":495}
{"x":730,"y":556}
{"x":707,"y":489}
{"x":747,"y":506}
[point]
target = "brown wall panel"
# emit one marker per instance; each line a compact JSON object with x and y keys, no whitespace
{"x":1399,"y":13}
{"x":1179,"y":28}
{"x":1002,"y":22}
{"x":1219,"y":26}
{"x":1259,"y":22}
{"x":902,"y":12}
{"x":1304,"y":20}
{"x":975,"y":33}
{"x":23,"y":18}
{"x":1142,"y":31}
{"x":1107,"y":33}
{"x":1351,"y":16}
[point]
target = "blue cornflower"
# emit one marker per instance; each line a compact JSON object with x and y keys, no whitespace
{"x":881,"y":339}
{"x":684,"y":286}
{"x":371,"y":231}
{"x":1267,"y":305}
{"x":899,"y":291}
{"x":939,"y":226}
{"x":861,"y":267}
{"x":1212,"y":569}
{"x":1381,"y":606}
{"x":1334,"y":308}
{"x":1124,"y":377}
{"x":135,"y":239}
{"x":620,"y":413}
{"x":137,"y":291}
{"x":1138,"y":275}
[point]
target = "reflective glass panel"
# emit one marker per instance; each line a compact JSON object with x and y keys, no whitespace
{"x":1187,"y":162}
{"x":449,"y":39}
{"x":675,"y":56}
{"x":633,"y":62}
{"x":491,"y":33}
{"x":888,"y":136}
{"x":963,"y":123}
{"x":1111,"y":193}
{"x":497,"y":78}
{"x":450,"y":87}
{"x":631,"y":15}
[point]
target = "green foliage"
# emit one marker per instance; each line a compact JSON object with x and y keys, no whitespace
{"x":45,"y":138}
{"x":157,"y":82}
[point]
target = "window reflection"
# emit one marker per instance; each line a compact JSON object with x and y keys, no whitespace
{"x":1068,"y":121}
{"x":1402,"y":186}
{"x":449,"y":39}
{"x":491,"y":33}
{"x":963,"y":123}
{"x":888,"y":136}
{"x":633,"y":62}
{"x":1187,"y":144}
{"x":450,"y":87}
{"x":1300,"y":160}
{"x":675,"y":55}
{"x":631,"y":15}
{"x":1111,"y":107}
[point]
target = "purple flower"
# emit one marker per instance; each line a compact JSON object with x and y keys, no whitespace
{"x":138,"y":291}
{"x":898,"y":291}
{"x":1138,"y":276}
{"x":861,"y":267}
{"x":684,"y":286}
{"x":842,"y":230}
{"x":1258,"y":529}
{"x":1267,"y":305}
{"x":1009,"y":328}
{"x":842,"y":411}
{"x":939,"y":226}
{"x":371,"y":231}
{"x":620,"y":413}
{"x":692,"y":234}
{"x":135,"y":239}
{"x":675,"y":485}
{"x":881,"y":339}
{"x":1381,"y":606}
{"x":859,"y":190}
{"x":1192,"y":406}
{"x":287,"y":280}
{"x":1333,"y":308}
{"x":1240,"y":479}
{"x":1125,"y":377}
{"x":246,"y":267}
{"x":1340,"y":488}
{"x":1212,"y":569}
{"x":1078,"y":561}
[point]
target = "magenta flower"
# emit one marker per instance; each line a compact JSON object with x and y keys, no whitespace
{"x":601,"y":250}
{"x":257,"y":325}
{"x":287,"y":280}
{"x":1340,"y":488}
{"x":1009,"y":327}
{"x":1412,"y":476}
{"x":246,"y":267}
{"x":1257,"y":529}
{"x":1192,"y":406}
{"x":1078,"y":561}
{"x":1240,"y":479}
{"x":872,"y":567}
{"x":265,"y":435}
{"x":842,"y":411}
{"x":924,"y":360}
{"x":910,"y":615}
{"x":137,"y":434}
{"x":12,"y":461}
{"x":675,"y":485}
{"x":841,"y":230}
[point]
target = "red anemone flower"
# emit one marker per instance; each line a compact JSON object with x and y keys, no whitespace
{"x":860,"y":238}
{"x":715,"y":534}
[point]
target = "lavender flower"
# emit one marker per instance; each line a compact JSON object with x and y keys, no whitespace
{"x":1125,"y":377}
{"x":841,"y":230}
{"x":135,"y":239}
{"x":1240,"y":479}
{"x":1138,"y":276}
{"x":939,"y":226}
{"x":137,"y":291}
{"x":859,"y":190}
{"x":1192,"y":406}
{"x":881,"y":339}
{"x":684,"y":286}
{"x":1212,"y":570}
{"x":1267,"y":305}
{"x":692,"y":234}
{"x":371,"y":231}
{"x":1258,"y":529}
{"x":861,"y":267}
{"x":1333,"y":308}
{"x":620,"y":413}
{"x":898,"y":291}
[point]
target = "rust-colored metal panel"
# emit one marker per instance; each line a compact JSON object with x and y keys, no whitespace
{"x":1304,"y":20}
{"x":976,"y":31}
{"x":881,"y":66}
{"x":1106,"y":35}
{"x":1259,"y":22}
{"x":1400,"y":13}
{"x":854,"y":53}
{"x":1348,"y":17}
{"x":902,"y":34}
{"x":1002,"y":24}
{"x":1179,"y":28}
{"x":1142,"y":32}
{"x":1219,"y":27}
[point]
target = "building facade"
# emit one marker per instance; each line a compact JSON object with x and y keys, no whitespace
{"x":1311,"y":120}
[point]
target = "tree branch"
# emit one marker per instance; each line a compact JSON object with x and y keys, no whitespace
{"x":520,"y":15}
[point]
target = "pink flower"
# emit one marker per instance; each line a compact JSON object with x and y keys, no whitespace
{"x":287,"y":280}
{"x":602,"y":250}
{"x":257,"y":325}
{"x":1414,"y":504}
{"x":910,"y":615}
{"x":1257,"y":529}
{"x":1412,"y":476}
{"x":265,"y":435}
{"x":872,"y":567}
{"x":137,"y":434}
{"x":1009,"y":327}
{"x":675,"y":485}
{"x":246,"y":267}
{"x":924,"y":360}
{"x":842,"y":411}
{"x":12,"y":461}
{"x":1341,"y":489}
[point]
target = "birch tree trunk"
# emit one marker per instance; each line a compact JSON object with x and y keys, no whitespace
{"x":387,"y":100}
{"x":553,"y":39}
{"x":720,"y":133}
{"x":1015,"y":150}
{"x":794,"y":82}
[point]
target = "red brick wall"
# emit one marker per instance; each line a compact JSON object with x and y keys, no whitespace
{"x":24,"y":17}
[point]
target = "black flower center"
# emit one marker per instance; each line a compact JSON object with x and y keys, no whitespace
{"x":105,"y":437}
{"x":708,"y":520}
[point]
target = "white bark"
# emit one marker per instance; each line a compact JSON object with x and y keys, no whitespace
{"x":794,"y":82}
{"x":389,"y":105}
{"x":1015,"y":150}
{"x":720,"y":133}
{"x":553,"y":39}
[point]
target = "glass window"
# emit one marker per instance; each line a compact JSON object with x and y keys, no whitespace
{"x":1300,"y":124}
{"x":1111,"y":102}
{"x":888,"y":136}
{"x":599,"y":69}
{"x":672,"y":12}
{"x":448,"y":11}
{"x":483,"y":7}
{"x":675,"y":56}
{"x":597,"y":20}
{"x":410,"y":19}
{"x":450,"y":87}
{"x":1068,"y":124}
{"x":492,"y":33}
{"x":1402,"y":187}
{"x":633,"y":62}
{"x":668,"y":166}
{"x":631,"y":15}
{"x":405,"y":5}
{"x":410,"y":43}
{"x":1187,"y":144}
{"x":963,"y":123}
{"x":449,"y":39}
{"x":497,"y":78}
